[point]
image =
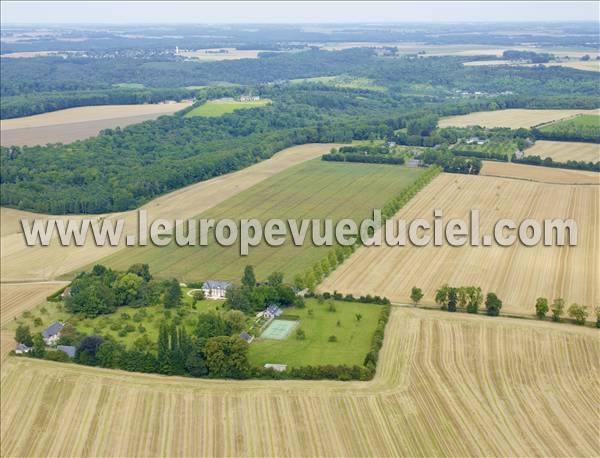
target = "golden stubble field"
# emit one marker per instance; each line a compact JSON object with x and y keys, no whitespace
{"x":513,"y":118}
{"x":22,"y":263}
{"x":517,"y":274}
{"x":446,"y":385}
{"x":72,"y":124}
{"x":565,"y":151}
{"x":539,"y":173}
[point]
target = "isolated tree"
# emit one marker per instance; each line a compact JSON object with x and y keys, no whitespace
{"x":164,"y":351}
{"x":541,"y":307}
{"x":197,"y":296}
{"x":358,"y":317}
{"x":299,"y":282}
{"x":493,"y":304}
{"x":597,"y":317}
{"x":39,"y":347}
{"x":173,"y":294}
{"x":558,"y":308}
{"x":441,"y":296}
{"x":248,"y":279}
{"x":416,"y":295}
{"x":452,"y":299}
{"x":275,"y":279}
{"x":474,"y":298}
{"x":578,"y":312}
{"x":300,"y":335}
{"x":23,"y":335}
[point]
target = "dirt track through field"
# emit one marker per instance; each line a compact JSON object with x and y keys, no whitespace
{"x":517,"y":274}
{"x":23,"y":263}
{"x":446,"y":386}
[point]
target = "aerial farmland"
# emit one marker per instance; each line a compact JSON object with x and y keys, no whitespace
{"x":190,"y":210}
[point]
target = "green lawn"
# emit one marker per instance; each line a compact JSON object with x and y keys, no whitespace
{"x":313,"y":189}
{"x":353,"y":337}
{"x":216,"y":108}
{"x":148,"y":317}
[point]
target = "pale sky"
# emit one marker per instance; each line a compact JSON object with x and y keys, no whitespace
{"x":294,"y":12}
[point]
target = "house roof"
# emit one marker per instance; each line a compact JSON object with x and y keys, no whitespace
{"x":23,"y":347}
{"x":68,"y":349}
{"x":216,"y":284}
{"x":52,"y":330}
{"x":274,"y":310}
{"x":247,"y":337}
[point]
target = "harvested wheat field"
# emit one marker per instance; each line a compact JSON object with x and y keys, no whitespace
{"x":513,"y":118}
{"x":72,"y":124}
{"x":20,"y":262}
{"x":15,"y":298}
{"x":506,"y":388}
{"x":565,"y":151}
{"x":539,"y":173}
{"x":517,"y":274}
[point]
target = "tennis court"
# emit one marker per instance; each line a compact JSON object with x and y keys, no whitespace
{"x":279,"y":329}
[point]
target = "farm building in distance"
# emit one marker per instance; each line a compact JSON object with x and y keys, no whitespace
{"x":215,"y":289}
{"x":476,"y":140}
{"x":52,"y":333}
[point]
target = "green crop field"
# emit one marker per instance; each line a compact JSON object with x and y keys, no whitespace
{"x":314,"y":189}
{"x":581,"y":121}
{"x":216,"y":108}
{"x":353,"y":337}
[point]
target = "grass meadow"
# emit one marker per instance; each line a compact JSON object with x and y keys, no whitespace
{"x":353,"y":337}
{"x":313,"y":189}
{"x":216,"y":108}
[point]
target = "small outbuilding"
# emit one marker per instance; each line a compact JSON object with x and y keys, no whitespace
{"x":246,"y":337}
{"x":22,"y":348}
{"x":68,"y":349}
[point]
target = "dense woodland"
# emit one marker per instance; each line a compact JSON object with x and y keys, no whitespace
{"x":124,"y":168}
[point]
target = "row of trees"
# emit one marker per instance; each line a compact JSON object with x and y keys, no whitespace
{"x":469,"y":298}
{"x":577,"y":312}
{"x":451,"y":163}
{"x":549,"y":162}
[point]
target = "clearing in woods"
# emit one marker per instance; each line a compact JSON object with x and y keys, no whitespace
{"x":513,"y":118}
{"x":72,"y":124}
{"x":22,"y":263}
{"x":314,"y":189}
{"x":216,"y":108}
{"x":517,"y":274}
{"x":565,"y":151}
{"x":534,"y":382}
